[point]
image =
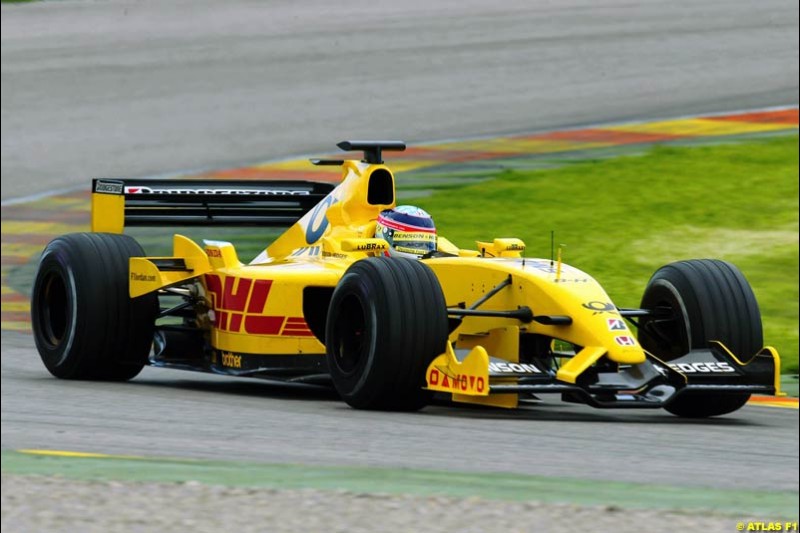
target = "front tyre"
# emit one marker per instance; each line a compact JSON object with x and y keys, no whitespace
{"x":387,"y":321}
{"x":708,"y":300}
{"x":84,"y":323}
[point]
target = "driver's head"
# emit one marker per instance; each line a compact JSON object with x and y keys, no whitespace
{"x":409,"y":230}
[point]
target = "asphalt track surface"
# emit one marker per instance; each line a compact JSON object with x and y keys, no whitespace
{"x":144,"y":87}
{"x":136,"y":88}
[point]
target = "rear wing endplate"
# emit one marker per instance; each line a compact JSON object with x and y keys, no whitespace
{"x":117,"y":203}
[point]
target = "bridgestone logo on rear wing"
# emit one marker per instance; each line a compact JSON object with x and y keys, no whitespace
{"x":108,"y":187}
{"x":222,"y":192}
{"x":203,"y":202}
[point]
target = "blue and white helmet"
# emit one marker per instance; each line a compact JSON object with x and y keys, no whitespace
{"x":409,"y":230}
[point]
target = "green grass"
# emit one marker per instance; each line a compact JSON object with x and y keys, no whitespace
{"x":620,"y":219}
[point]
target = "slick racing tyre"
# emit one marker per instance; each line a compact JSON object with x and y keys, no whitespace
{"x":386,"y":322}
{"x":84,"y":323}
{"x":709,"y":300}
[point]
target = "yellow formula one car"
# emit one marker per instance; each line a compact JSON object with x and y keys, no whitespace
{"x":363,"y":294}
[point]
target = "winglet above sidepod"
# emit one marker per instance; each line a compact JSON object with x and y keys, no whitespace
{"x":372,"y":149}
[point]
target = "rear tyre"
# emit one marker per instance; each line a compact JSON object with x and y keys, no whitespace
{"x":84,"y":323}
{"x":709,"y":300}
{"x":386,"y":322}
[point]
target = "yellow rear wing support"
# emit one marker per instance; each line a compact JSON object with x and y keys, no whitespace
{"x":108,"y":206}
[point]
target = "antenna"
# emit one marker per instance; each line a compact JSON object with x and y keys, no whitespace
{"x":552,"y":245}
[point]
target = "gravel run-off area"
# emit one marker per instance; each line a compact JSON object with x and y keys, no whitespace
{"x":54,"y":504}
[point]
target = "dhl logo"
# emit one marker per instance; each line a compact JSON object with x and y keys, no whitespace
{"x":238,"y":305}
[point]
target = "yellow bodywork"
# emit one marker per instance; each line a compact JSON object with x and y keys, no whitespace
{"x":257,"y":308}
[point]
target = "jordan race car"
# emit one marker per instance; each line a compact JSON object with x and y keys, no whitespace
{"x":326,"y":303}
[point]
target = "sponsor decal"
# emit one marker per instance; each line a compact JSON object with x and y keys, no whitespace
{"x":625,"y":340}
{"x":135,"y":276}
{"x":599,"y":307}
{"x":408,"y":250}
{"x":231,"y":361}
{"x":661,"y":370}
{"x":238,"y":304}
{"x":616,"y":324}
{"x":370,"y":246}
{"x":213,"y":252}
{"x":711,"y":367}
{"x":108,"y":187}
{"x":547,"y":268}
{"x":513,"y":368}
{"x":414,"y":236}
{"x":541,"y":266}
{"x":296,"y":326}
{"x":441,"y":378}
{"x":178,"y":190}
{"x":306,"y":250}
{"x":316,"y":226}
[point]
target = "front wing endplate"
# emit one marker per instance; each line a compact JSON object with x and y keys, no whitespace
{"x":469,"y":377}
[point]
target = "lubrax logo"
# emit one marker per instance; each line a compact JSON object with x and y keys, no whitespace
{"x":371,"y":246}
{"x":135,"y":276}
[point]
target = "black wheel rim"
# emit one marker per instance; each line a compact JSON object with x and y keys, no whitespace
{"x":665,"y":337}
{"x":53,"y":309}
{"x":351,"y":338}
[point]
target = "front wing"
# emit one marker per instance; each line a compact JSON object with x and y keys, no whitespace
{"x":476,"y":377}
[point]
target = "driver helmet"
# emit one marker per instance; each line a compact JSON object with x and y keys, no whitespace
{"x":409,"y":231}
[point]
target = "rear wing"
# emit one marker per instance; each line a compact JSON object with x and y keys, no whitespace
{"x":117,"y":203}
